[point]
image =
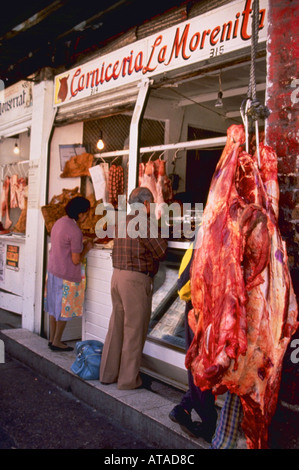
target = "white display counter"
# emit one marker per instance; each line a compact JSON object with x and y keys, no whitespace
{"x":98,"y":305}
{"x":161,"y":359}
{"x":12,"y":265}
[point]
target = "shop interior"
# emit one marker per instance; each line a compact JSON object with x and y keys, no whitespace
{"x":14,"y":167}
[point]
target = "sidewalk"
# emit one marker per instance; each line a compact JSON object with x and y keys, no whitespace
{"x":145,"y":412}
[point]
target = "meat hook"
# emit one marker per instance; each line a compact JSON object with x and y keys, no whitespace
{"x":243,"y":111}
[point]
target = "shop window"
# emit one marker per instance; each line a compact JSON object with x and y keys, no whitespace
{"x":116,"y":131}
{"x":14,"y":194}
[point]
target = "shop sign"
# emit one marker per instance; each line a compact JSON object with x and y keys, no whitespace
{"x":15,"y":101}
{"x":220,"y":31}
{"x":12,"y":257}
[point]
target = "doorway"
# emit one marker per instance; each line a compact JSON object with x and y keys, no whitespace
{"x":201,"y":164}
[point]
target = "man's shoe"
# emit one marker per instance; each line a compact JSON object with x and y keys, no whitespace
{"x":180,"y":416}
{"x":201,"y":431}
{"x":57,"y":348}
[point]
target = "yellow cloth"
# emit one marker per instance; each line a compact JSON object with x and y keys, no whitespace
{"x":184,"y":284}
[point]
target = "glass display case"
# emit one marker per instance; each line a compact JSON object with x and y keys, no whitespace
{"x":167,"y":324}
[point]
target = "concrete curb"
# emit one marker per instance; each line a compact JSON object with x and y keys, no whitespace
{"x":142,"y":411}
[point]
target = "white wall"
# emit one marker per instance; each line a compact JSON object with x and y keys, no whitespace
{"x":70,"y":134}
{"x":7,"y":147}
{"x":42,"y":121}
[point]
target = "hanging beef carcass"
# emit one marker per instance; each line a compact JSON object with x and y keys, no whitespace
{"x":244,"y":305}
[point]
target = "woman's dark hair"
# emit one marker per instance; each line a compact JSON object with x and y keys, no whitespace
{"x":76,"y":206}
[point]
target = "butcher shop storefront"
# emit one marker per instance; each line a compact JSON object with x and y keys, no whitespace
{"x":163,"y":102}
{"x":155,"y":105}
{"x":15,"y":128}
{"x":26,"y":119}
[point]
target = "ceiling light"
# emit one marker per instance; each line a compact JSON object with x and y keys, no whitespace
{"x":100,"y":143}
{"x":219,"y":102}
{"x":16,"y":149}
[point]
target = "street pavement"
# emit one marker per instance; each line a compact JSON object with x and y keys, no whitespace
{"x":36,"y":414}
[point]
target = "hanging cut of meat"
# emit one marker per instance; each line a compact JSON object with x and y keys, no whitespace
{"x":148,"y":180}
{"x":17,"y":192}
{"x":21,"y":191}
{"x":268,"y":171}
{"x":13,"y":191}
{"x":165,"y":182}
{"x":4,"y":195}
{"x":153,"y":176}
{"x":159,"y":197}
{"x":245,"y":309}
{"x":141,"y":173}
{"x":5,"y":203}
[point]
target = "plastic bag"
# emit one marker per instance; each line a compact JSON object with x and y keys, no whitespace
{"x":88,"y":360}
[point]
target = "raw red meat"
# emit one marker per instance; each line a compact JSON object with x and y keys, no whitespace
{"x":244,"y":310}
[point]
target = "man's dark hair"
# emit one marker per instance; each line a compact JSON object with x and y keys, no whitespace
{"x":141,"y":194}
{"x":76,"y":206}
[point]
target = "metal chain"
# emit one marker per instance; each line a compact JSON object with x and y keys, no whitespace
{"x":251,"y":109}
{"x":254,"y":42}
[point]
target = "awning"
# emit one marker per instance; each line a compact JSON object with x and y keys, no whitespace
{"x":102,"y":104}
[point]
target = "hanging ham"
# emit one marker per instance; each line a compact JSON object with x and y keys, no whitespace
{"x":245,"y":309}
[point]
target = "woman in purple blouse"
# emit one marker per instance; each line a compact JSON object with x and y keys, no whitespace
{"x":65,"y":283}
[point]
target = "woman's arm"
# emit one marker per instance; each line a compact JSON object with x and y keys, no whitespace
{"x":77,"y":258}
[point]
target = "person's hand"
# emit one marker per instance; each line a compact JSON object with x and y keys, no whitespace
{"x":89,"y":244}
